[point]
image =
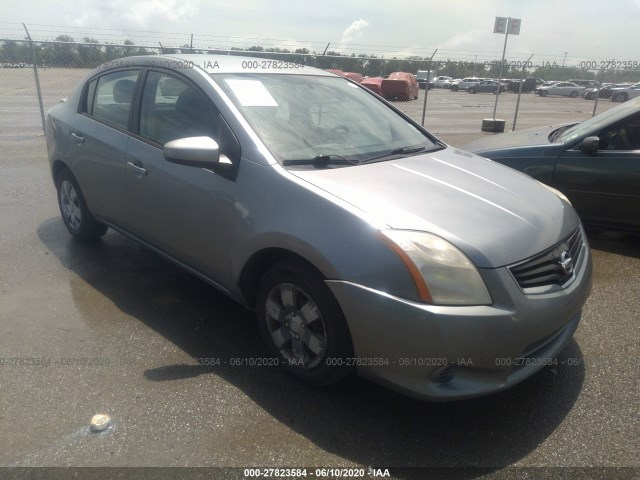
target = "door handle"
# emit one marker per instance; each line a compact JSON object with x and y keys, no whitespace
{"x":137,"y":166}
{"x":77,"y":137}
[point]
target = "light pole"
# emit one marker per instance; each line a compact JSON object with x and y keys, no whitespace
{"x":506,"y":25}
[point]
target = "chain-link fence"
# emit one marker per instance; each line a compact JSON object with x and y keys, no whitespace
{"x":450,"y":97}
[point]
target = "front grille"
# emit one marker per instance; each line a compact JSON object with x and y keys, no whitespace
{"x":554,"y":266}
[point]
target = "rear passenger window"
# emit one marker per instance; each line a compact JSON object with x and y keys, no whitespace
{"x":113,"y":97}
{"x":172,"y":108}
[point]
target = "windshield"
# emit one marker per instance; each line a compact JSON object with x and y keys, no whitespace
{"x":595,"y":124}
{"x":302,"y":117}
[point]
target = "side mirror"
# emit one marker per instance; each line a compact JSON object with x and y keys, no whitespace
{"x":202,"y":152}
{"x":590,"y":145}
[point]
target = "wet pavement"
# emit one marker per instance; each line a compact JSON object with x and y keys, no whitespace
{"x":113,"y":328}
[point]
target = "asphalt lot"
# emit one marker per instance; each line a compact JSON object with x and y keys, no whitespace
{"x":143,"y":324}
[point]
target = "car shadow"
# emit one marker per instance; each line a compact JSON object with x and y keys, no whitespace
{"x":355,"y":420}
{"x":612,"y":241}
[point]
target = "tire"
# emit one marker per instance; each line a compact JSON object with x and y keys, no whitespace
{"x":543,"y":93}
{"x":573,"y":94}
{"x":454,"y":88}
{"x":495,"y":91}
{"x":472,"y":90}
{"x":288,"y":294}
{"x":619,"y":97}
{"x":73,"y":209}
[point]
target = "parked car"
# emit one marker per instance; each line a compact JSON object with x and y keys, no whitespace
{"x":373,"y":83}
{"x":487,"y":86}
{"x":464,"y":83}
{"x":585,"y":83}
{"x":529,"y":85}
{"x":625,"y":93}
{"x":423,"y":77}
{"x":442,"y":81}
{"x":596,"y":163}
{"x":424,"y":84}
{"x":361,"y":241}
{"x":565,"y":89}
{"x":602,"y":92}
{"x":400,"y":86}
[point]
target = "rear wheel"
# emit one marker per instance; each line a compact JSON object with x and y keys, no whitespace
{"x":620,"y":97}
{"x":573,"y":94}
{"x":302,"y":323}
{"x":454,"y":88}
{"x":75,"y":214}
{"x":543,"y":93}
{"x":472,"y":90}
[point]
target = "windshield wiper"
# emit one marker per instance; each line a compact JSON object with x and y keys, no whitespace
{"x":403,"y":150}
{"x":397,"y":151}
{"x":321,"y":161}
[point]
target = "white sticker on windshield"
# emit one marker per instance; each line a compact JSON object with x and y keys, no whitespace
{"x":251,"y":93}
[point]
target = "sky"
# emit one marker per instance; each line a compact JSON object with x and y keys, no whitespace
{"x":568,"y":31}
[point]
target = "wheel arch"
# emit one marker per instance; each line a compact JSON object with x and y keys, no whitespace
{"x":259,"y":263}
{"x":57,"y":167}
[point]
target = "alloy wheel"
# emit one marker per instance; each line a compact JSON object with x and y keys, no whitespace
{"x":70,"y":205}
{"x":296,"y":326}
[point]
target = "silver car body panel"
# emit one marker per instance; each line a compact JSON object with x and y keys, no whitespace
{"x":435,"y":193}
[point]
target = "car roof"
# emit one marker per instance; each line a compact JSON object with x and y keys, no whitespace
{"x":221,"y":64}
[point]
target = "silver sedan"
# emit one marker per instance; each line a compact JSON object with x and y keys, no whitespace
{"x":362,"y":242}
{"x":565,"y":89}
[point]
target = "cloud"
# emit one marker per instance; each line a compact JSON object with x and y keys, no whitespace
{"x":135,"y":14}
{"x":145,"y":13}
{"x":354,"y":30}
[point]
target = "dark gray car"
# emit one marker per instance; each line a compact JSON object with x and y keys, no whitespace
{"x":487,"y":86}
{"x":362,"y":242}
{"x":596,"y":163}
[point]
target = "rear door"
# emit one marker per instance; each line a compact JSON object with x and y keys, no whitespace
{"x":98,"y":142}
{"x":605,"y":188}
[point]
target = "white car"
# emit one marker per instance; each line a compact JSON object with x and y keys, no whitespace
{"x":565,"y":89}
{"x":442,"y":82}
{"x":464,"y":83}
{"x":624,"y":94}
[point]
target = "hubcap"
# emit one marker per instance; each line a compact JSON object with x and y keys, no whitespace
{"x":296,"y":326}
{"x":70,"y":205}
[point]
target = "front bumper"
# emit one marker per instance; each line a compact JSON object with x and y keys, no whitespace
{"x":448,"y":353}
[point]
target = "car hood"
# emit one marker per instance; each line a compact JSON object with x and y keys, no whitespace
{"x":496,"y":215}
{"x":521,"y":138}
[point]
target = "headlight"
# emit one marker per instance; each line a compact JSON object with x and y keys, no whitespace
{"x":442,"y":273}
{"x":557,"y":192}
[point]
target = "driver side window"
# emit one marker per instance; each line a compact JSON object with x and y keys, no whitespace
{"x":624,"y":136}
{"x":172,"y":108}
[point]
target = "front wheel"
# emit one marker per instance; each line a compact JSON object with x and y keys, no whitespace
{"x":73,"y":208}
{"x":543,"y":93}
{"x":472,"y":90}
{"x":302,"y":324}
{"x":454,"y":88}
{"x":619,"y":97}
